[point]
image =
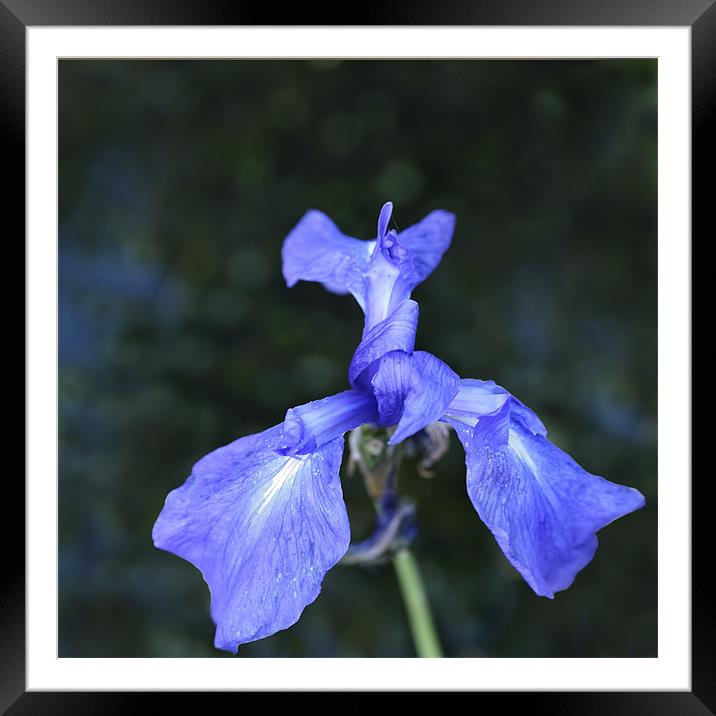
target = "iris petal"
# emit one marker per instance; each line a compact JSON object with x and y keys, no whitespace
{"x":543,"y":509}
{"x":384,"y":288}
{"x":427,"y":241}
{"x":380,"y":274}
{"x":396,"y":332}
{"x":263,"y":529}
{"x":412,"y":390}
{"x":317,"y":250}
{"x":386,"y":212}
{"x":400,"y":261}
{"x":474,"y":399}
{"x":309,"y":426}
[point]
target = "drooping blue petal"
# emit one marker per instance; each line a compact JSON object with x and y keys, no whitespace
{"x":263,"y":528}
{"x":412,"y":390}
{"x":317,"y":250}
{"x":542,"y":507}
{"x":309,"y":426}
{"x":396,"y":332}
{"x":530,"y":420}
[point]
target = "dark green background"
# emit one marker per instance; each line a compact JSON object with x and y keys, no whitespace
{"x":178,"y":183}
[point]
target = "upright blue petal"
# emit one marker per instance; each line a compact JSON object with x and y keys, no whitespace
{"x":412,"y":390}
{"x":395,"y":333}
{"x":263,"y":528}
{"x":386,"y":212}
{"x":311,"y":425}
{"x":400,"y":261}
{"x":542,"y":507}
{"x":381,"y":273}
{"x":316,"y":250}
{"x":427,"y":241}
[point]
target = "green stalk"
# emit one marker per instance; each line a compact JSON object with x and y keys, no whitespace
{"x":412,"y":589}
{"x":416,"y":603}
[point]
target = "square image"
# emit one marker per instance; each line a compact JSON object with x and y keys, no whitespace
{"x":357,"y":358}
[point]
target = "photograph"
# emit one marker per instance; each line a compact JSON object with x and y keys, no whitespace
{"x":357,"y":358}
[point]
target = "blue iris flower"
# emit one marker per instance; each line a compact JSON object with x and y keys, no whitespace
{"x":263,"y":518}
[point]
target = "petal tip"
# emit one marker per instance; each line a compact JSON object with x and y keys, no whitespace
{"x":638,"y":500}
{"x":397,"y":437}
{"x":226,"y":644}
{"x":386,"y":212}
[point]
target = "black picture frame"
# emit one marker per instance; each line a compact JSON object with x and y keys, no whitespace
{"x":17,"y":15}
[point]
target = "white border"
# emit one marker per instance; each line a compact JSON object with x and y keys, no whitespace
{"x":671,"y":670}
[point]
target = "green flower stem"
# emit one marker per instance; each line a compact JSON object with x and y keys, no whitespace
{"x":416,"y":603}
{"x":380,"y":470}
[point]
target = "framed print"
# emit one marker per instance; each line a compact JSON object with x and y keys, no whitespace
{"x":351,"y":344}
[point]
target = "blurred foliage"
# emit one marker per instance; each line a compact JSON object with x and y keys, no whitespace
{"x":178,"y":183}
